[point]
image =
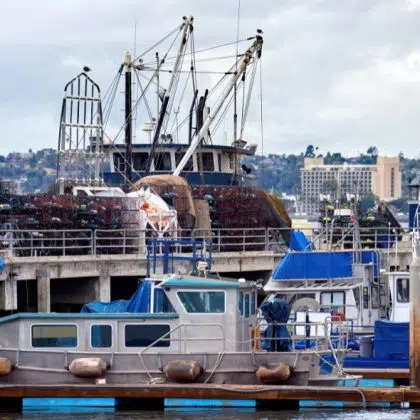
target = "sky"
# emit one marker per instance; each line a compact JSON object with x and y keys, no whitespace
{"x":341,"y":75}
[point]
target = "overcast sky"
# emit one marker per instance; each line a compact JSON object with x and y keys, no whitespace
{"x":341,"y":75}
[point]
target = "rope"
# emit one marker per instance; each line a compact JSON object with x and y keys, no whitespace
{"x":216,"y":365}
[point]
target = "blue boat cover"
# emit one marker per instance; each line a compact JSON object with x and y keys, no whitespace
{"x":139,"y":302}
{"x":299,"y":242}
{"x":321,"y":265}
{"x":277,"y":338}
{"x":2,"y":264}
{"x":392,"y":340}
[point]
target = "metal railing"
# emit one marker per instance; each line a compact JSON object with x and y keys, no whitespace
{"x":318,"y":336}
{"x":35,"y":243}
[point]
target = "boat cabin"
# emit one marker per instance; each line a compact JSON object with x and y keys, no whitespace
{"x":347,"y":284}
{"x":184,"y":315}
{"x":209,"y":164}
{"x":399,"y":288}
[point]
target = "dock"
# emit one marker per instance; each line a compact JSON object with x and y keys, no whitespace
{"x":260,"y":393}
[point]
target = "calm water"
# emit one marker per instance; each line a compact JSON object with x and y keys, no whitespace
{"x":225,"y":414}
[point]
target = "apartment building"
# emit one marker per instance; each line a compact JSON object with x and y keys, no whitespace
{"x":338,"y":181}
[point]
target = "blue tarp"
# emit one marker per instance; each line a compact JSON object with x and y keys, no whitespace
{"x":276,"y":337}
{"x":321,"y":265}
{"x":299,"y":242}
{"x":139,"y":302}
{"x":2,"y":264}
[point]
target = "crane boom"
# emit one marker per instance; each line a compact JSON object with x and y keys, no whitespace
{"x":255,"y":48}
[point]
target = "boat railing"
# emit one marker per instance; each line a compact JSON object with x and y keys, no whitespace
{"x":183,"y":339}
{"x":328,"y":334}
{"x":53,"y":242}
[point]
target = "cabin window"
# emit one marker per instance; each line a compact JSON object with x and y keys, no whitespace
{"x":101,"y":336}
{"x":246,"y":305}
{"x":145,"y":335}
{"x":139,"y":161}
{"x":241,"y":303}
{"x":54,"y":335}
{"x":365,"y":298}
{"x":332,"y":301}
{"x":219,"y":157}
{"x":403,"y":291}
{"x":161,"y":303}
{"x":163,"y":161}
{"x":253,"y":303}
{"x":203,"y":302}
{"x":207,"y":159}
{"x":374,"y":292}
{"x":188,"y":166}
{"x":356,"y":294}
{"x":119,"y":162}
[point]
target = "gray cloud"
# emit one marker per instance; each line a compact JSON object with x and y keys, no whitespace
{"x":341,"y":75}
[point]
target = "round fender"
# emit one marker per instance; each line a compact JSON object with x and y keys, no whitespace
{"x":5,"y":366}
{"x":182,"y":370}
{"x":279,"y":373}
{"x":88,"y":367}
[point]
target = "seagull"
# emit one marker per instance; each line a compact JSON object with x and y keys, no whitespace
{"x":86,"y":69}
{"x":246,"y":169}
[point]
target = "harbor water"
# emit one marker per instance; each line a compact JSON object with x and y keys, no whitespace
{"x":225,"y":414}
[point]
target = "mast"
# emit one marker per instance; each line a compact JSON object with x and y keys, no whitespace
{"x":128,"y":121}
{"x":185,"y":27}
{"x":255,"y":48}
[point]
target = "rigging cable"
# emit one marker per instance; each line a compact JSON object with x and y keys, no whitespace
{"x":261,"y":123}
{"x":209,"y":48}
{"x":248,"y":97}
{"x":178,"y":28}
{"x":149,"y":111}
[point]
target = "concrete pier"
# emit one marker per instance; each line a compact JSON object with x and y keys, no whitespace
{"x":73,"y":281}
{"x":43,"y":290}
{"x":8,"y":293}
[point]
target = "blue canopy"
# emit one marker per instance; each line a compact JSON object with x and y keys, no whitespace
{"x":321,"y":265}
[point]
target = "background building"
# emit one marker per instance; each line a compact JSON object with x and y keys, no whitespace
{"x":337,"y":182}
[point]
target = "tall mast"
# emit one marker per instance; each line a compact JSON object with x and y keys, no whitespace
{"x":128,"y":120}
{"x":255,"y":48}
{"x":185,"y":29}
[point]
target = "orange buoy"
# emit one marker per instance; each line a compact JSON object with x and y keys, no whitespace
{"x":182,"y":370}
{"x":5,"y":366}
{"x":88,"y":367}
{"x":279,"y":373}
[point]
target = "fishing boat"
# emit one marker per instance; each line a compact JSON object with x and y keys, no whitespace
{"x":181,"y":136}
{"x":175,"y":329}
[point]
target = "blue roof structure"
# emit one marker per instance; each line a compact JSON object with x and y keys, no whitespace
{"x":321,"y":265}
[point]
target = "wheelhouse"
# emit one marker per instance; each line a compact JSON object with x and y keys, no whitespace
{"x":210,"y":164}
